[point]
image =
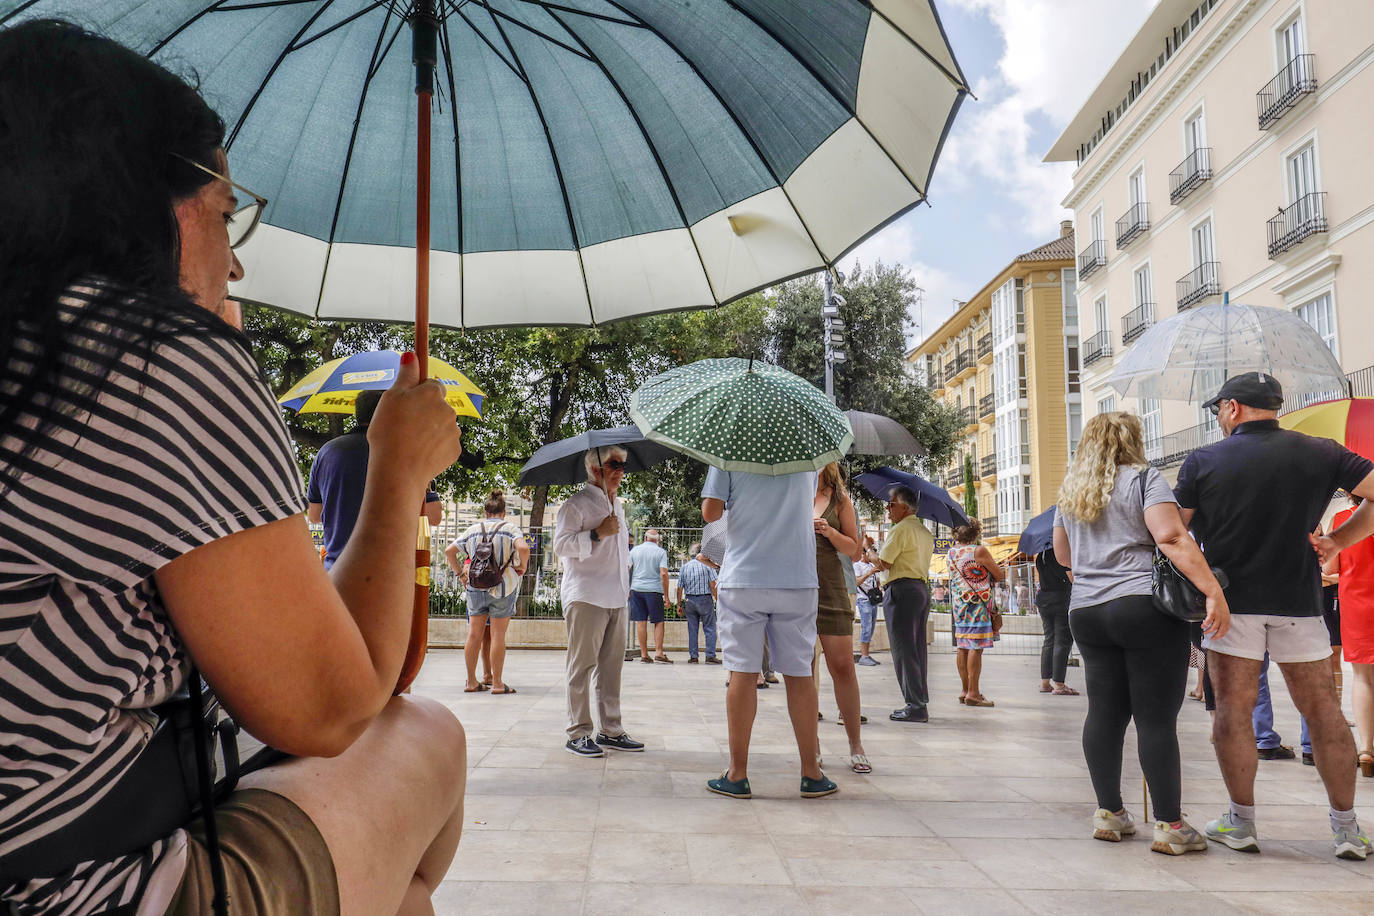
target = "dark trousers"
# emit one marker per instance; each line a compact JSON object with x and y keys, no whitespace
{"x":700,"y":610}
{"x":906,"y":606}
{"x":1054,"y":654}
{"x":1135,"y":663}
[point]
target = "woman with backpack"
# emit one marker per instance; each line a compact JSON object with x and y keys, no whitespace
{"x":497,"y":556}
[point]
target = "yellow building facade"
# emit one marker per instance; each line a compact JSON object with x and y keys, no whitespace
{"x":1008,"y":361}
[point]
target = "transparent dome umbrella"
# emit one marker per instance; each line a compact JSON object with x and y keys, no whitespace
{"x":1187,"y":356}
{"x":742,"y":415}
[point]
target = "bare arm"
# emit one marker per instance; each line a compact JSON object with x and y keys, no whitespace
{"x":715,"y":592}
{"x":451,"y":555}
{"x":712,"y":509}
{"x":1062,"y":553}
{"x":1165,"y":522}
{"x":663,"y":577}
{"x":305,"y":659}
{"x":314,"y":512}
{"x":522,"y":556}
{"x":985,"y":559}
{"x":1359,"y":526}
{"x":844,"y":539}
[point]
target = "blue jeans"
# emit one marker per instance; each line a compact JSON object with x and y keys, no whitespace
{"x":700,"y":610}
{"x":1263,"y":717}
{"x":867,"y":615}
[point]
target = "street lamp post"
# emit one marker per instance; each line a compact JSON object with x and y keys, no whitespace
{"x":833,"y":330}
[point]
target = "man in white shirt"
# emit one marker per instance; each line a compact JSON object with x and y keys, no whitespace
{"x":595,"y":590}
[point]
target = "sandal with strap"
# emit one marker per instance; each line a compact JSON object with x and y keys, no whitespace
{"x":1367,"y":765}
{"x":980,"y":700}
{"x":859,"y":763}
{"x":1065,"y":691}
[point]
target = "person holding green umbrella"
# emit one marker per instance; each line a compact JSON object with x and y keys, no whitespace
{"x":765,"y":432}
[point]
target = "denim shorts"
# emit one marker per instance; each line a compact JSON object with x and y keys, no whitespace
{"x":646,"y":606}
{"x":481,"y":603}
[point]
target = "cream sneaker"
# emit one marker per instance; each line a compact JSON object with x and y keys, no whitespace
{"x":1112,"y":827}
{"x":1173,"y":842}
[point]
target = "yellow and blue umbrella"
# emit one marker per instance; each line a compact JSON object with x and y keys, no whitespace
{"x":334,"y":387}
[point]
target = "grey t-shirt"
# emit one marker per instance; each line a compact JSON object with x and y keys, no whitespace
{"x":1114,"y":556}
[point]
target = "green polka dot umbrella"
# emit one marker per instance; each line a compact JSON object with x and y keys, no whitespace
{"x":742,"y":415}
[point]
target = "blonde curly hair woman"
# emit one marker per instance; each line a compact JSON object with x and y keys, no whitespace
{"x":1114,"y":509}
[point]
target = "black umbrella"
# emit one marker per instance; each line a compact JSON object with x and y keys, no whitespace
{"x":875,"y":434}
{"x":1039,"y":534}
{"x":561,"y":462}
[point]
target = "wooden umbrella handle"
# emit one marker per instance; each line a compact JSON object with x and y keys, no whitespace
{"x":419,"y":613}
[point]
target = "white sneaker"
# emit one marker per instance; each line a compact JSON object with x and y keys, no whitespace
{"x":1173,"y":842}
{"x":1351,"y":843}
{"x":1112,"y":827}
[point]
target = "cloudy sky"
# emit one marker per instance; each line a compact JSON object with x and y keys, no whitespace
{"x":1031,"y":64}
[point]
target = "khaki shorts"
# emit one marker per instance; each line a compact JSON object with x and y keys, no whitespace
{"x":1286,"y":639}
{"x":275,"y":861}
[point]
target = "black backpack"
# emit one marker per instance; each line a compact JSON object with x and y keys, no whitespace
{"x":484,"y":572}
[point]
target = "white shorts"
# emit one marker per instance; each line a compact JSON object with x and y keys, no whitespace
{"x":1286,"y":639}
{"x":786,"y":617}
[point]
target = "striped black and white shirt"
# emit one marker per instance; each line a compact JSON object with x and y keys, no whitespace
{"x":158,"y":462}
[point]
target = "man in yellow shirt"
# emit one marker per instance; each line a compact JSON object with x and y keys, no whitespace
{"x":904,"y":562}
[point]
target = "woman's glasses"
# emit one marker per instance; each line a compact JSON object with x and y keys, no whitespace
{"x":243,"y":220}
{"x":614,"y":465}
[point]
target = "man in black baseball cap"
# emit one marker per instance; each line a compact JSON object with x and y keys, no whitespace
{"x":1253,"y":389}
{"x":1253,"y":501}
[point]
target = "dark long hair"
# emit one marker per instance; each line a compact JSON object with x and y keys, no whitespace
{"x":90,"y":132}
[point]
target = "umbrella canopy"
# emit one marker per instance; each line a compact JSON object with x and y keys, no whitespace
{"x":335,"y":386}
{"x":1187,"y":356}
{"x":742,"y":415}
{"x":592,"y":159}
{"x":561,"y":462}
{"x":936,"y":504}
{"x":1350,"y":421}
{"x":1039,"y":534}
{"x":875,"y":434}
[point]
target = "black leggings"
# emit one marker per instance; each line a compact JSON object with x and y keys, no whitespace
{"x":1135,"y":664}
{"x":1054,"y":654}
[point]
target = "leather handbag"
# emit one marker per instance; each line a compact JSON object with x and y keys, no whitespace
{"x":1172,"y":591}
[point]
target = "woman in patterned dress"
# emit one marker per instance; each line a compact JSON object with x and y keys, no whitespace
{"x":972,"y":570}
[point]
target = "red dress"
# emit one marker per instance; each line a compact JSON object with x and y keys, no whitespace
{"x":1357,"y":597}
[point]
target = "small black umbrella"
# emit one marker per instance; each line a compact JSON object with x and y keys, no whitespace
{"x":1039,"y":534}
{"x":875,"y":434}
{"x":561,"y":462}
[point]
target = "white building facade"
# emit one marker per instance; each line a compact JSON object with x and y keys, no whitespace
{"x":1226,"y":153}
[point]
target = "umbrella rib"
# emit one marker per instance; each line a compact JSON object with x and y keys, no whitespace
{"x":457,"y":166}
{"x":16,"y":11}
{"x":338,"y":25}
{"x":545,"y":36}
{"x":495,"y":50}
{"x":179,"y":29}
{"x":271,"y":71}
{"x":839,"y":100}
{"x":653,"y":150}
{"x":546,"y":6}
{"x":553,"y":154}
{"x":748,"y":137}
{"x":348,"y":161}
{"x":958,"y":79}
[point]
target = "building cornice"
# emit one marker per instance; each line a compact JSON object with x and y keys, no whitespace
{"x":1182,"y":81}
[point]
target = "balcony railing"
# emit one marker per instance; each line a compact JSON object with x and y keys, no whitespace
{"x":963,"y":362}
{"x":1297,"y":79}
{"x":1174,"y":447}
{"x":987,"y":405}
{"x":951,"y":370}
{"x":1099,"y":346}
{"x":970,"y":416}
{"x":1190,"y":174}
{"x":1199,"y":283}
{"x":985,"y":346}
{"x":1091,"y":258}
{"x":1133,"y":225}
{"x":1304,"y":218}
{"x":955,"y":478}
{"x":937,"y":378}
{"x":989,"y":526}
{"x":1136,"y":321}
{"x":988,"y":466}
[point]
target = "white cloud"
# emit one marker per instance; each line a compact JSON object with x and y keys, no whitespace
{"x":1055,"y":51}
{"x":900,"y":244}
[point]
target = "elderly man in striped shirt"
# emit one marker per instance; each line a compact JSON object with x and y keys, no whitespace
{"x":696,"y":583}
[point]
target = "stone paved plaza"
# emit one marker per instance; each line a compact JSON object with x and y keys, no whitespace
{"x":982,"y":811}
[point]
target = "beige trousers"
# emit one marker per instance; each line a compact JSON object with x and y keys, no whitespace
{"x":596,"y":646}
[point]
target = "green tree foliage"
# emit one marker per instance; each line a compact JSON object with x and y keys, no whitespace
{"x":875,"y":377}
{"x":970,"y":497}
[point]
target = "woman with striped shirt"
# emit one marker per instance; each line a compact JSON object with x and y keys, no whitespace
{"x":152,"y":519}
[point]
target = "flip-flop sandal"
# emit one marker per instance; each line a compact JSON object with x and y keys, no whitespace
{"x":476,"y":689}
{"x":509,"y":689}
{"x":1044,"y":689}
{"x":1064,"y":692}
{"x":859,"y":763}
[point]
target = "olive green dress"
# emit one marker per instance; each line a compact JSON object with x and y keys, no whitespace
{"x":834,"y":610}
